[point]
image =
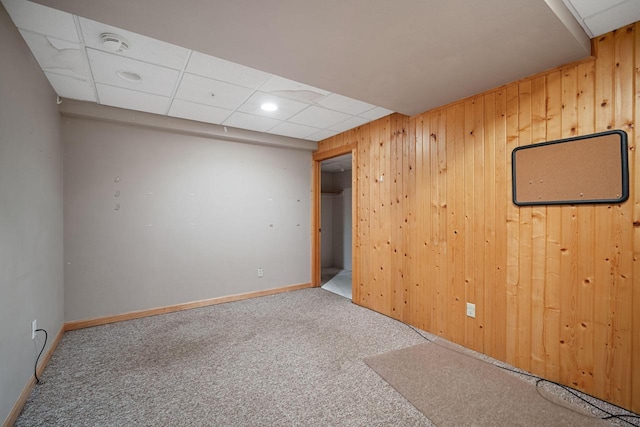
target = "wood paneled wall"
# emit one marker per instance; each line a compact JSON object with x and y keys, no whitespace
{"x":556,"y":288}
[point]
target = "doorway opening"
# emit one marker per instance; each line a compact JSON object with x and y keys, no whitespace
{"x":336,"y":237}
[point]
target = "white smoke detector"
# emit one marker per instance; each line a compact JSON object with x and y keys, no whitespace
{"x":114,"y":42}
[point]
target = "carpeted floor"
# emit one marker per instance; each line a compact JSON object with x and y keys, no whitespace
{"x":295,"y":358}
{"x":286,"y":359}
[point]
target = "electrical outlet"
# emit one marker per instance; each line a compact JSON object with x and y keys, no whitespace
{"x":34,"y":326}
{"x":260,"y":272}
{"x":471,"y":310}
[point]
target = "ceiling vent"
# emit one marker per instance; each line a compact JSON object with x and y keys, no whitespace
{"x":114,"y":43}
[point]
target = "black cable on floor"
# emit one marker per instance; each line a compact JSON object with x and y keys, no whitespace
{"x":35,"y":368}
{"x":539,"y":380}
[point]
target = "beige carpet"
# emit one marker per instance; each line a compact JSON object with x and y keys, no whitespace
{"x":292,"y":359}
{"x":452,"y":389}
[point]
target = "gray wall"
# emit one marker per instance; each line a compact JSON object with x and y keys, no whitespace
{"x":327,"y":233}
{"x":196,"y":219}
{"x":336,"y":219}
{"x":342,"y":224}
{"x":31,"y":251}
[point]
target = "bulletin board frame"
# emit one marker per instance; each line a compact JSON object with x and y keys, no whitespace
{"x":579,"y":170}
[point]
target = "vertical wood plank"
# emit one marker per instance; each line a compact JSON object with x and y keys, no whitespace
{"x":513,"y":234}
{"x":432,"y":214}
{"x":440,"y":233}
{"x":364,"y":205}
{"x":409,"y":189}
{"x":315,"y":223}
{"x":539,"y":234}
{"x":425,"y":286}
{"x":355,"y":222}
{"x":623,"y":226}
{"x":553,"y":281}
{"x":604,"y":256}
{"x":374,"y":290}
{"x":503,"y":198}
{"x":468,"y":200}
{"x":397,"y":220}
{"x":489,"y":306}
{"x":586,"y":244}
{"x":405,"y":211}
{"x":420,"y":260}
{"x":456,"y":259}
{"x":475,"y":326}
{"x":569,"y":250}
{"x":634,"y":165}
{"x":525,"y":240}
{"x":446,"y":324}
{"x":383,"y":268}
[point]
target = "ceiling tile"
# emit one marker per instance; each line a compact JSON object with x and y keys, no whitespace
{"x":376,"y":113}
{"x":319,"y":117}
{"x":72,"y":88}
{"x":251,"y":122}
{"x":337,"y":164}
{"x":155,"y":79}
{"x":350,"y":123}
{"x":587,"y":8}
{"x":205,"y":88}
{"x":345,"y":105}
{"x":132,"y":100}
{"x":211,"y":92}
{"x":41,"y":19}
{"x":230,"y":72}
{"x":293,"y":130}
{"x":199,"y":112}
{"x":614,"y":18}
{"x":140,"y":47}
{"x":286,"y":107}
{"x":285,"y":88}
{"x":323,"y":134}
{"x":57,"y":56}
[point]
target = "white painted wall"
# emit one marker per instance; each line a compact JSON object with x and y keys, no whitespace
{"x":196,"y":218}
{"x":327,"y":231}
{"x":31,"y":251}
{"x":344,"y":214}
{"x":336,"y":220}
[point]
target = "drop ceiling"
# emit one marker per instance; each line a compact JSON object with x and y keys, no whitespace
{"x":337,"y":164}
{"x":161,"y":78}
{"x":329,"y":66}
{"x":601,"y":16}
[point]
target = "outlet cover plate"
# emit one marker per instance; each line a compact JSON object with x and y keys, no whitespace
{"x":471,"y":310}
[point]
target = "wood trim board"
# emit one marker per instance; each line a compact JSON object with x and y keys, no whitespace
{"x":319,"y":156}
{"x":316,"y":220}
{"x":79,"y":324}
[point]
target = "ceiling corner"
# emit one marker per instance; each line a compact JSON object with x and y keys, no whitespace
{"x":568,"y":19}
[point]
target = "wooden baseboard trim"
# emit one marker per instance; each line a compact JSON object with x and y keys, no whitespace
{"x":17,"y":408}
{"x":80,"y":324}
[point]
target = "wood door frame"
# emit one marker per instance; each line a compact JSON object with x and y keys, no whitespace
{"x":319,"y":157}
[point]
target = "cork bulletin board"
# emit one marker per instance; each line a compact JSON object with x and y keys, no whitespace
{"x":586,"y":169}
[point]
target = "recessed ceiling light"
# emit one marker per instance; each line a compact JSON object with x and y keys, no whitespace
{"x":114,"y":42}
{"x":129,"y":76}
{"x":269,"y":106}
